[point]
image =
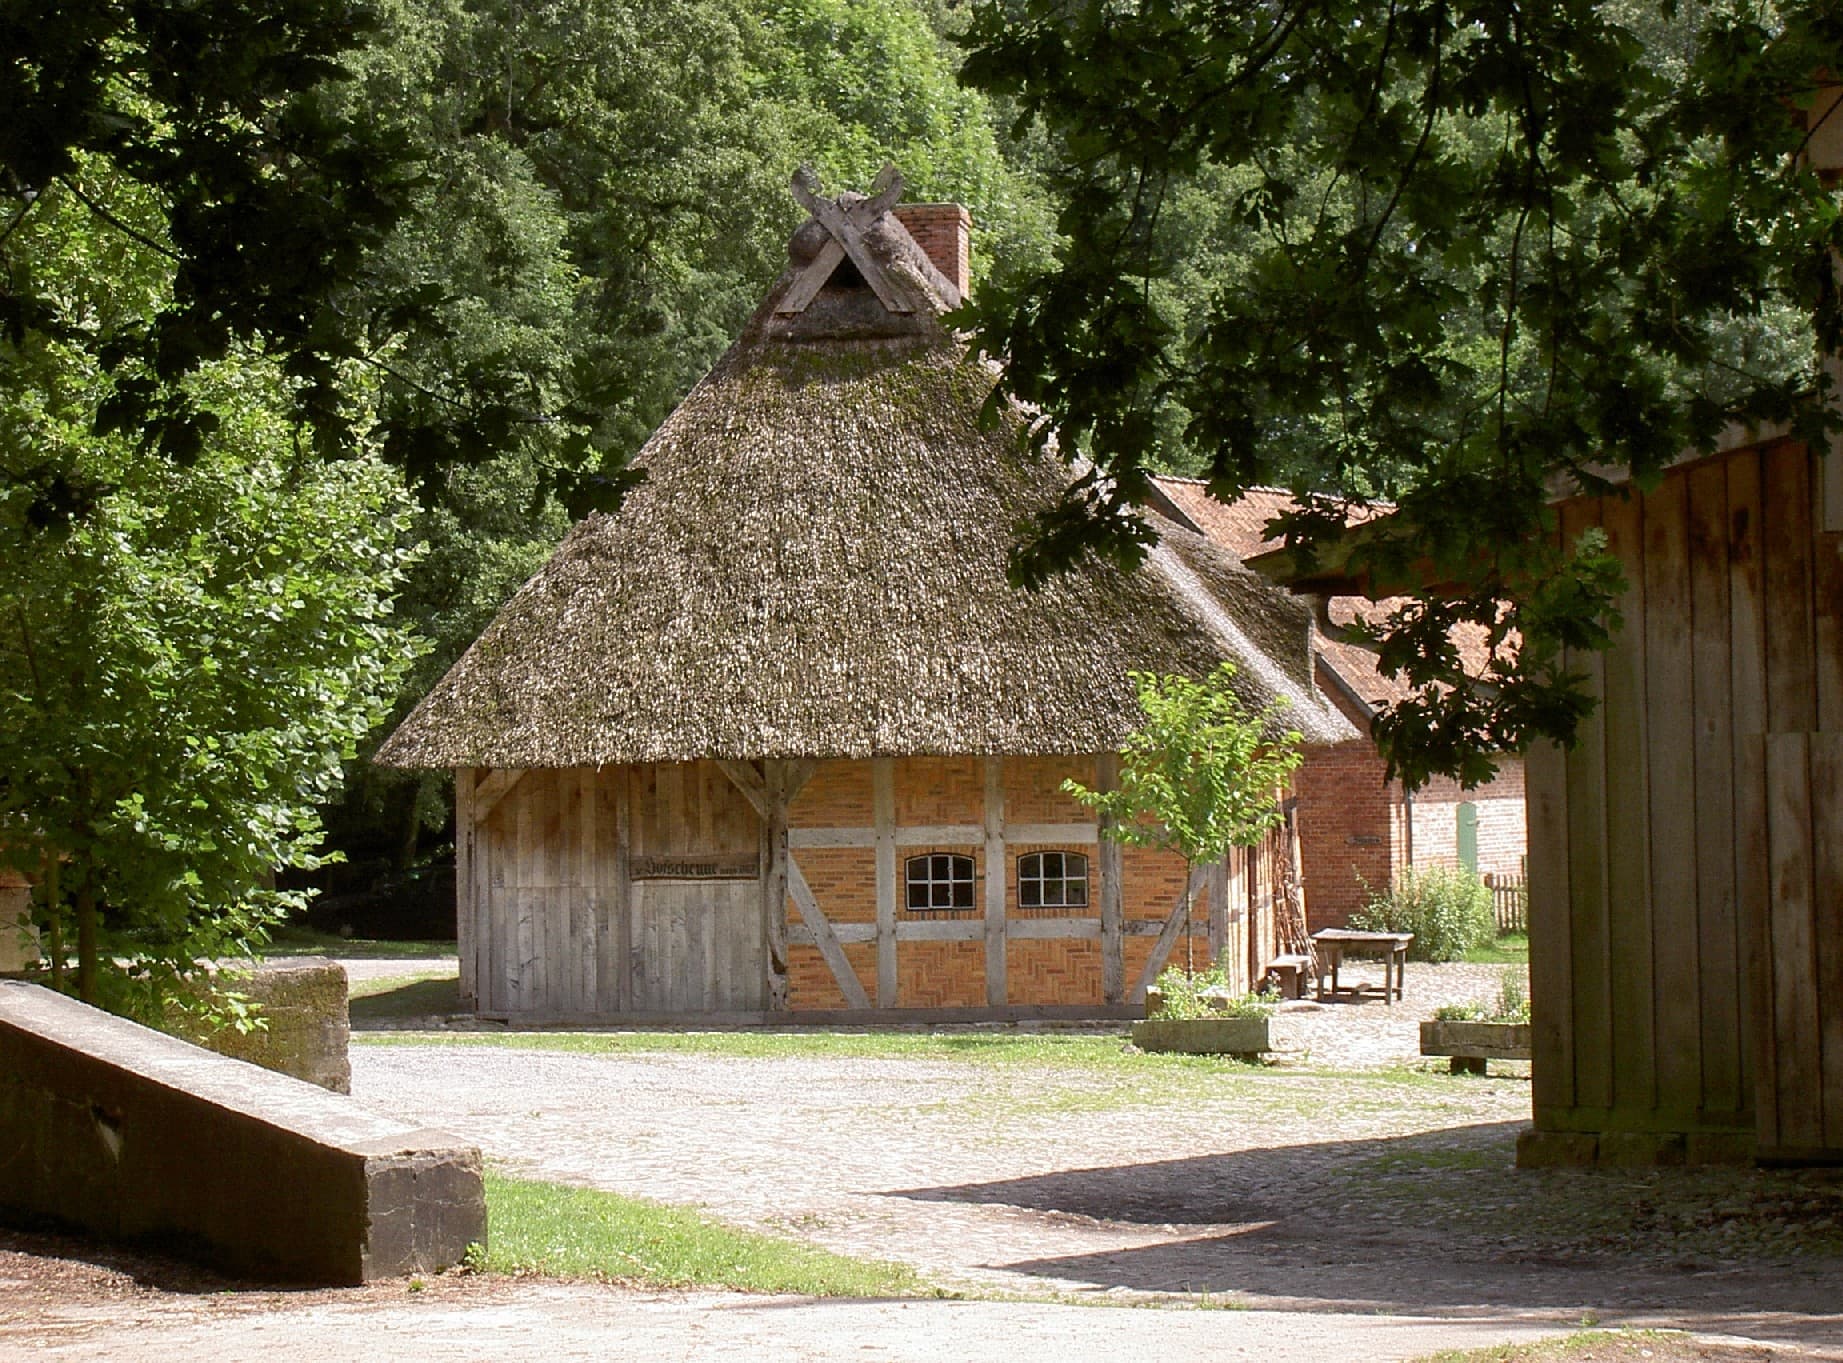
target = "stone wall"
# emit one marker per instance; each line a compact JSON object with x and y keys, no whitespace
{"x":131,"y":1134}
{"x":306,"y":1021}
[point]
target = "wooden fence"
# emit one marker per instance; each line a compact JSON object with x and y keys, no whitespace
{"x":1509,"y":902}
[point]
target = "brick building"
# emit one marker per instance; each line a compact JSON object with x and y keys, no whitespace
{"x":1356,"y":828}
{"x":778,"y":736}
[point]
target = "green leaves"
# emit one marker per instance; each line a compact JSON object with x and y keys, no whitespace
{"x":1449,"y":253}
{"x":1201,"y":775}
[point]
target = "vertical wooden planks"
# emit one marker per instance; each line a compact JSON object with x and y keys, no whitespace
{"x":774,"y":886}
{"x":997,"y":878}
{"x":1827,"y":925}
{"x":1718,"y":933}
{"x":1670,"y":752}
{"x":1793,"y":969}
{"x":1791,"y":677}
{"x":1747,"y":697}
{"x":883,"y":803}
{"x":1551,"y":937}
{"x":1584,"y":808}
{"x":466,"y":904}
{"x":611,"y":966}
{"x":1112,"y":900}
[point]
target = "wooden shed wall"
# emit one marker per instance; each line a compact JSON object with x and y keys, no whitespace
{"x":651,"y":890}
{"x":1686,"y":857}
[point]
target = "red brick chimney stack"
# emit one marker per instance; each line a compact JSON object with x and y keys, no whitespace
{"x":944,"y":231}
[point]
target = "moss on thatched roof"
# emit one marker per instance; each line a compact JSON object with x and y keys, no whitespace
{"x":814,"y":566}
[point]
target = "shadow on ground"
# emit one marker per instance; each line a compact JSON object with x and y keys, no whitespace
{"x":412,"y":1001}
{"x":1443,"y":1222}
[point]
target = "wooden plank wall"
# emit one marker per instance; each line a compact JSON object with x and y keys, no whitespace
{"x":1686,"y":887}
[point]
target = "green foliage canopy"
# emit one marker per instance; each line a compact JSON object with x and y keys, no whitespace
{"x":1466,"y":252}
{"x":184,"y":666}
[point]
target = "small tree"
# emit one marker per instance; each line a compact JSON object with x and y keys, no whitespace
{"x":1201,"y":776}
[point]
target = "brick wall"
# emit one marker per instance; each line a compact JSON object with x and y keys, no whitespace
{"x":951,"y":790}
{"x":945,"y":232}
{"x":1347,"y":834}
{"x":1503,"y":830}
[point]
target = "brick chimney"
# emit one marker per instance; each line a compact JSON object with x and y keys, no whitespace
{"x":944,"y":231}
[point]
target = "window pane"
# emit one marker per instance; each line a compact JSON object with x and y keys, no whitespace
{"x":918,"y":894}
{"x":942,"y":895}
{"x":1052,"y":866}
{"x":942,"y":868}
{"x":1077,"y":893}
{"x":963,"y":894}
{"x":1030,"y":893}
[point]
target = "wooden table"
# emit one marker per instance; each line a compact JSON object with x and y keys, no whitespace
{"x":1392,"y":947}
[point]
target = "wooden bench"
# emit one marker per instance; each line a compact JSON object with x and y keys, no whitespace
{"x":1288,"y":973}
{"x":1392,"y":947}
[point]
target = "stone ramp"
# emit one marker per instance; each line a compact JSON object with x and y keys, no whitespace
{"x":128,"y":1133}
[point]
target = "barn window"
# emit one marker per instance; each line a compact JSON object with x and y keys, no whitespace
{"x":940,"y":885}
{"x":1047,"y":881}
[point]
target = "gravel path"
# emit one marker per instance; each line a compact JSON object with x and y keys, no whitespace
{"x":1304,"y":1186}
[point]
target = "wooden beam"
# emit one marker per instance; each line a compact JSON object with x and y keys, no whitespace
{"x":747,"y":779}
{"x":466,"y":904}
{"x":798,"y":934}
{"x":883,"y":802}
{"x":1167,"y":938}
{"x":997,"y":878}
{"x":847,"y":230}
{"x":1018,"y":834}
{"x":1110,"y":893}
{"x":1054,"y":929}
{"x":824,"y":938}
{"x":1217,"y":882}
{"x":775,"y":875}
{"x":494,"y":787}
{"x":917,"y":835}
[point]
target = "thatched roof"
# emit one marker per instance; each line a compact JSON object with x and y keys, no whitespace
{"x":1240,"y":528}
{"x":814,"y":566}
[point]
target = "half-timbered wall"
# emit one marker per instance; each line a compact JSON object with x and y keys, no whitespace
{"x":1686,"y":857}
{"x":651,"y":890}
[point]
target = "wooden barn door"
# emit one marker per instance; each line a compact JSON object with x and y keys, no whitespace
{"x":694,"y":907}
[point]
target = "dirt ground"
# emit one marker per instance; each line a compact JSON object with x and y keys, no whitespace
{"x":1339,"y":1210}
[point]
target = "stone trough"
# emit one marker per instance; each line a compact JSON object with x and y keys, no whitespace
{"x":131,"y":1134}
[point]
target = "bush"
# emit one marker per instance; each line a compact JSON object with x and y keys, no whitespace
{"x":1447,"y":910}
{"x":1512,"y":1005}
{"x":1206,"y":995}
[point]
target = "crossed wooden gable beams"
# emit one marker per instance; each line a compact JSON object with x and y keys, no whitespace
{"x":846,"y":224}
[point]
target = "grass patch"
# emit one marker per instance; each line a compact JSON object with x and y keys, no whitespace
{"x":404,"y":996}
{"x":294,"y":940}
{"x":1607,"y":1346}
{"x":1510,"y":949}
{"x":564,"y":1232}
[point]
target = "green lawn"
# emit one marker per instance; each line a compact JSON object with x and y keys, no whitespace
{"x":1607,"y":1346}
{"x":582,"y":1233}
{"x":294,"y":940}
{"x":1510,"y":949}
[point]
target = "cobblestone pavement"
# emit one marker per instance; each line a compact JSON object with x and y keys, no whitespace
{"x":1310,"y":1185}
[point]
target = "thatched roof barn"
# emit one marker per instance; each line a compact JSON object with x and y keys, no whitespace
{"x":812,"y":569}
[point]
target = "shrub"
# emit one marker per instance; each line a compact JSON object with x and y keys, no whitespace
{"x":1206,"y":994}
{"x":1512,"y":1005}
{"x":1447,"y":910}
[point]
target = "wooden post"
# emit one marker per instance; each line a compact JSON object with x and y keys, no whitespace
{"x":883,"y":801}
{"x":997,"y":877}
{"x":774,"y":884}
{"x":1216,"y":886}
{"x":465,"y":906}
{"x":1112,"y":896}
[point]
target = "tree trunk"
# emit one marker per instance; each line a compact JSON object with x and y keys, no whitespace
{"x":1190,"y":966}
{"x":86,"y":937}
{"x":54,"y":918}
{"x":409,"y":828}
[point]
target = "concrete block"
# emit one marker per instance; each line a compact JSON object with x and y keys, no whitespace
{"x":1556,"y":1149}
{"x":1643,"y":1149}
{"x":303,"y":1002}
{"x":132,"y":1134}
{"x":1720,"y":1147}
